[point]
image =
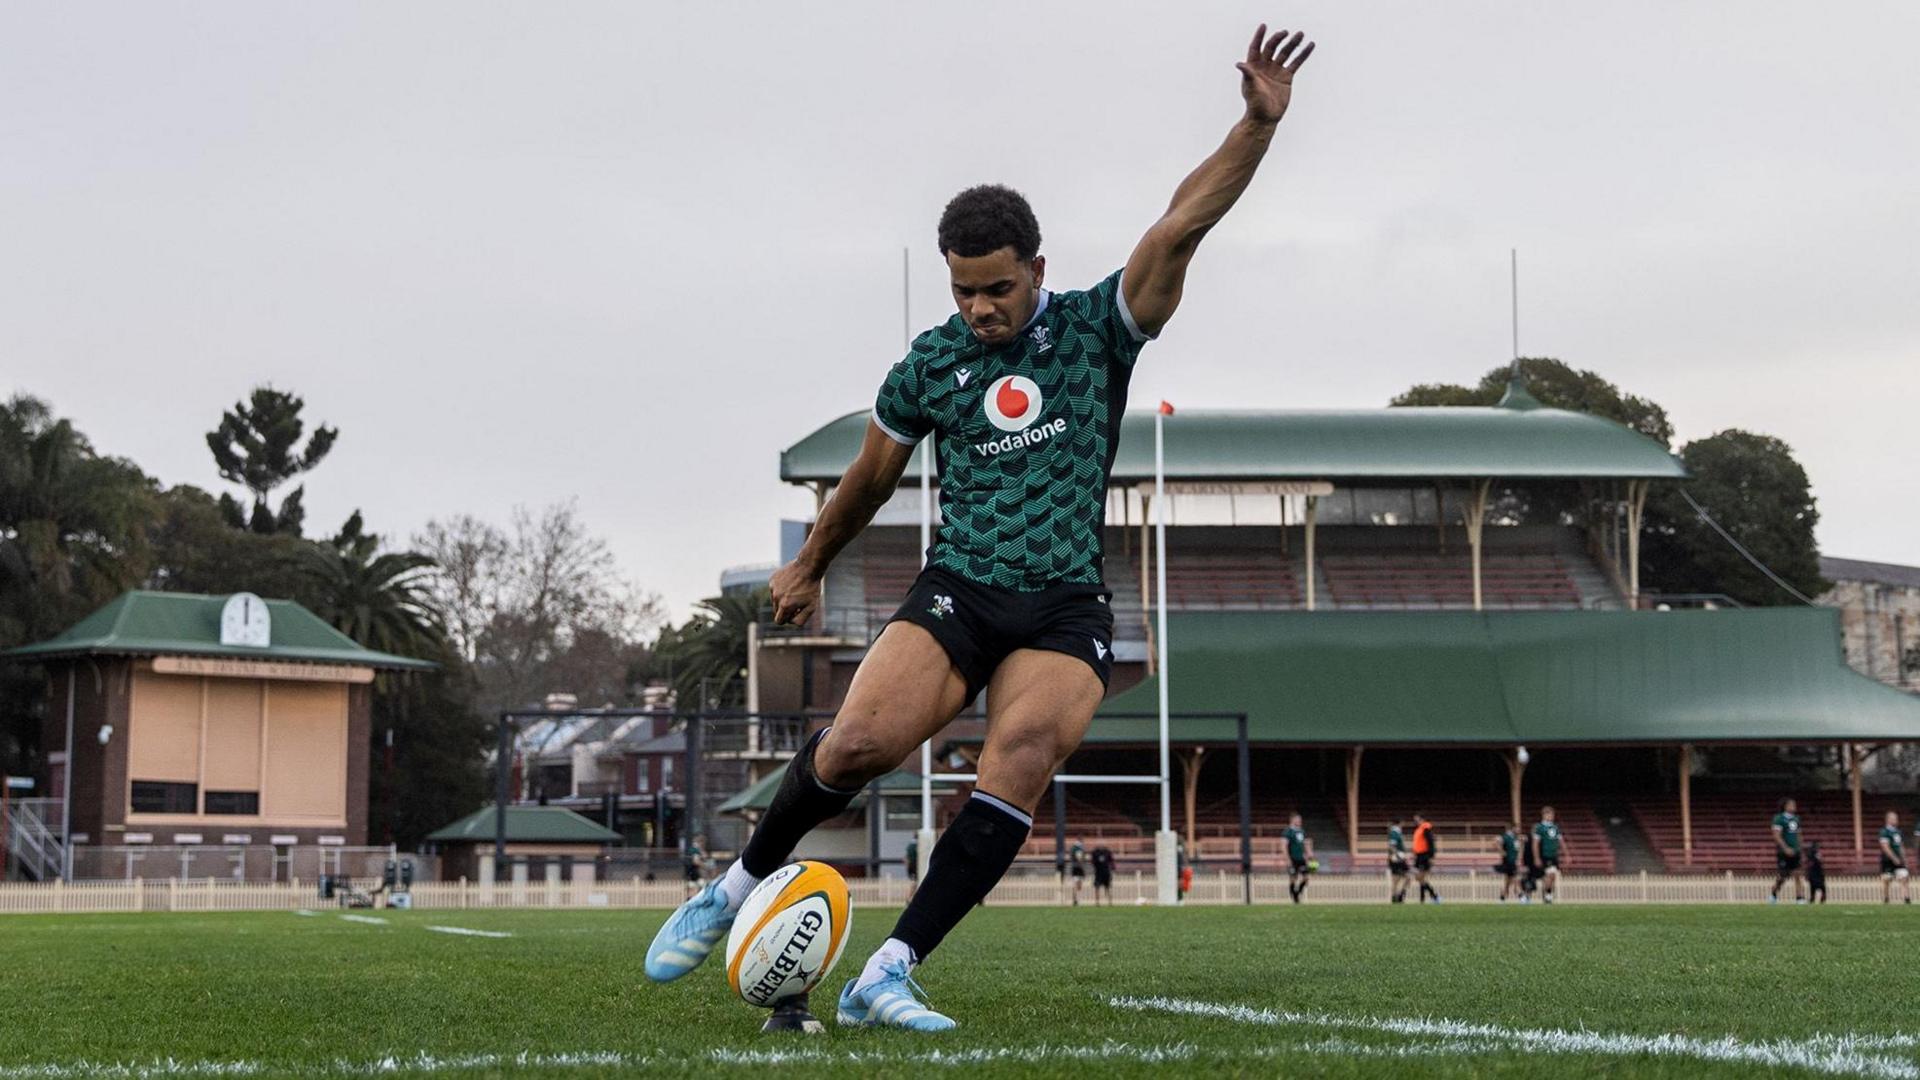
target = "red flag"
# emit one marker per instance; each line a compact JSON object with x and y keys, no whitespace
{"x":1166,"y":408}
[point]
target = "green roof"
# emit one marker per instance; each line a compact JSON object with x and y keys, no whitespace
{"x":758,"y":795}
{"x":527,"y":825}
{"x":1417,"y":443}
{"x":141,"y":623}
{"x":1478,"y":678}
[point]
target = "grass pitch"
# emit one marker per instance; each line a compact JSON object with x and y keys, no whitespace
{"x":1334,"y":991}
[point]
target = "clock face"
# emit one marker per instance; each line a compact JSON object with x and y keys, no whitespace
{"x":244,"y":621}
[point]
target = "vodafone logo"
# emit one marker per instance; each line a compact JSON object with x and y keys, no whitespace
{"x":1012,"y":402}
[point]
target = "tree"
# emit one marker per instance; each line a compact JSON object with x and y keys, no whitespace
{"x":1754,"y":488}
{"x":704,"y":658}
{"x":1556,"y":385}
{"x":71,"y":538}
{"x":254,"y":446}
{"x":538,"y":609}
{"x":381,"y":600}
{"x":195,"y":549}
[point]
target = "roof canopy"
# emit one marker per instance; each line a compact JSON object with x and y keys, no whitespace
{"x":141,"y":623}
{"x":759,"y":795}
{"x":527,"y":825}
{"x":1476,"y":678}
{"x":1356,"y":445}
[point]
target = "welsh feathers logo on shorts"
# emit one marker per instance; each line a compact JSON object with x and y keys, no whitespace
{"x":1012,"y":402}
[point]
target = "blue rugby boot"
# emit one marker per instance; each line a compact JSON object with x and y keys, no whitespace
{"x":689,"y":934}
{"x":894,"y":1001}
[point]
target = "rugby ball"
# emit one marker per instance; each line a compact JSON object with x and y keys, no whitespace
{"x":789,"y":933}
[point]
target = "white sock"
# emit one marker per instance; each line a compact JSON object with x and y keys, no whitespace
{"x":735,"y":884}
{"x":892,"y":951}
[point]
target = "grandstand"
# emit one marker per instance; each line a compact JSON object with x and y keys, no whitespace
{"x":1377,"y":592}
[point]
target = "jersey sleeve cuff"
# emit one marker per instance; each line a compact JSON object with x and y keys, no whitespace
{"x":1126,"y":315}
{"x":903,"y":440}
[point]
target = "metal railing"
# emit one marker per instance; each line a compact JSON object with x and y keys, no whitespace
{"x":34,"y":827}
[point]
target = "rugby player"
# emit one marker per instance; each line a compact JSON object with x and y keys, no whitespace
{"x":1397,"y":860}
{"x":1025,"y":390}
{"x":1424,"y":848}
{"x":1893,"y":861}
{"x":1510,"y":861}
{"x":1299,"y":855}
{"x":1549,"y":847}
{"x":1786,"y":853}
{"x":1077,"y":866}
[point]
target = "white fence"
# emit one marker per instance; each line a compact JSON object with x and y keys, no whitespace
{"x":1025,"y":891}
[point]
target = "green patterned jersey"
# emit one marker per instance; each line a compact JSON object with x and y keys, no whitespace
{"x":1509,"y":846}
{"x":1026,"y":435}
{"x":1788,"y":826}
{"x":1547,"y":835}
{"x":1396,"y":840}
{"x":1891,"y":834}
{"x":1296,"y":838}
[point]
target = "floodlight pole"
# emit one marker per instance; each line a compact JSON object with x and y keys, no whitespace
{"x":1165,"y":844}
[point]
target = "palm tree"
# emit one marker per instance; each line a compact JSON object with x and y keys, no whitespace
{"x":383,"y":601}
{"x":707,"y":655}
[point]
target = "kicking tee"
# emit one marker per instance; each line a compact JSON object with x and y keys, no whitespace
{"x":1027,"y":433}
{"x":1789,"y":826}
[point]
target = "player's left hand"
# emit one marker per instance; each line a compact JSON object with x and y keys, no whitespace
{"x":1266,"y":75}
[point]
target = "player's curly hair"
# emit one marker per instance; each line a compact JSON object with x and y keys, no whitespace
{"x":982,"y":220}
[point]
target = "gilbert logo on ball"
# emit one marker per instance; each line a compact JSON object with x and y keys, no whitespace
{"x":1012,"y":402}
{"x":789,"y":933}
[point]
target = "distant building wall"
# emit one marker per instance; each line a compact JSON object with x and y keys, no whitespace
{"x":1879,"y":618}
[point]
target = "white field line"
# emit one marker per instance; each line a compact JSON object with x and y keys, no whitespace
{"x":470,"y":932}
{"x":1837,"y":1054}
{"x":370,"y":920}
{"x":303,"y":912}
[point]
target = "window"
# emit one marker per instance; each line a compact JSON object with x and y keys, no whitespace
{"x":233,"y":802}
{"x":163,"y":797}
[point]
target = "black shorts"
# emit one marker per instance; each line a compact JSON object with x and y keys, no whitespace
{"x":1786,"y":864}
{"x":979,"y":625}
{"x":1551,"y":862}
{"x":1077,"y":870}
{"x":1508,"y":868}
{"x":1297,"y":866}
{"x":1397,"y":867}
{"x":1102,"y":879}
{"x":1423,"y":863}
{"x":1889,"y":867}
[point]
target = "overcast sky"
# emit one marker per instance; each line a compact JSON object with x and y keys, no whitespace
{"x":627,"y":252}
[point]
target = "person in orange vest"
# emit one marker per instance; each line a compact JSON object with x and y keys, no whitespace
{"x":1424,"y":846}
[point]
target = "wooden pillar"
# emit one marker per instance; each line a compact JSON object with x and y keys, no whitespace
{"x":1636,"y":505}
{"x":1515,"y":770}
{"x":1854,"y":760}
{"x":1353,"y":800}
{"x":1686,"y":801}
{"x":1313,"y":509}
{"x":1440,"y":514}
{"x":1190,"y":784}
{"x":1476,"y":520}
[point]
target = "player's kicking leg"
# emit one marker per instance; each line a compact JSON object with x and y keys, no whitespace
{"x":905,"y":690}
{"x":1039,"y":704}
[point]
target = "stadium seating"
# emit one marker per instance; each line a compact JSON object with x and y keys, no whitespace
{"x":1733,"y":831}
{"x":1430,"y":580}
{"x":1469,"y":831}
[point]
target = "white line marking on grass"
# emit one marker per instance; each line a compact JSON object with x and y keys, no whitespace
{"x":1837,"y":1054}
{"x":470,"y":932}
{"x":308,"y":914}
{"x":370,"y":920}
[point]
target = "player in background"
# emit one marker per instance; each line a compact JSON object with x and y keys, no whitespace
{"x":1425,"y":847}
{"x":1893,"y":861}
{"x":1102,"y":859}
{"x":1077,"y":867}
{"x":913,"y":864}
{"x":1549,"y":847}
{"x":1397,"y":860}
{"x":1786,"y":853}
{"x":1299,"y":851}
{"x":1509,"y":867}
{"x":1025,"y":391}
{"x":1816,"y":874}
{"x":696,"y":863}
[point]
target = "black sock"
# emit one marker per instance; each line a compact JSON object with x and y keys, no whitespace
{"x":801,"y":802}
{"x":971,"y":857}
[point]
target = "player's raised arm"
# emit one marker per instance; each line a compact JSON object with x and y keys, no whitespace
{"x":1157,"y":270}
{"x":865,"y":487}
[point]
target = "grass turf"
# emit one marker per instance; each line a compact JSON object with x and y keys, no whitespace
{"x":275,"y":993}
